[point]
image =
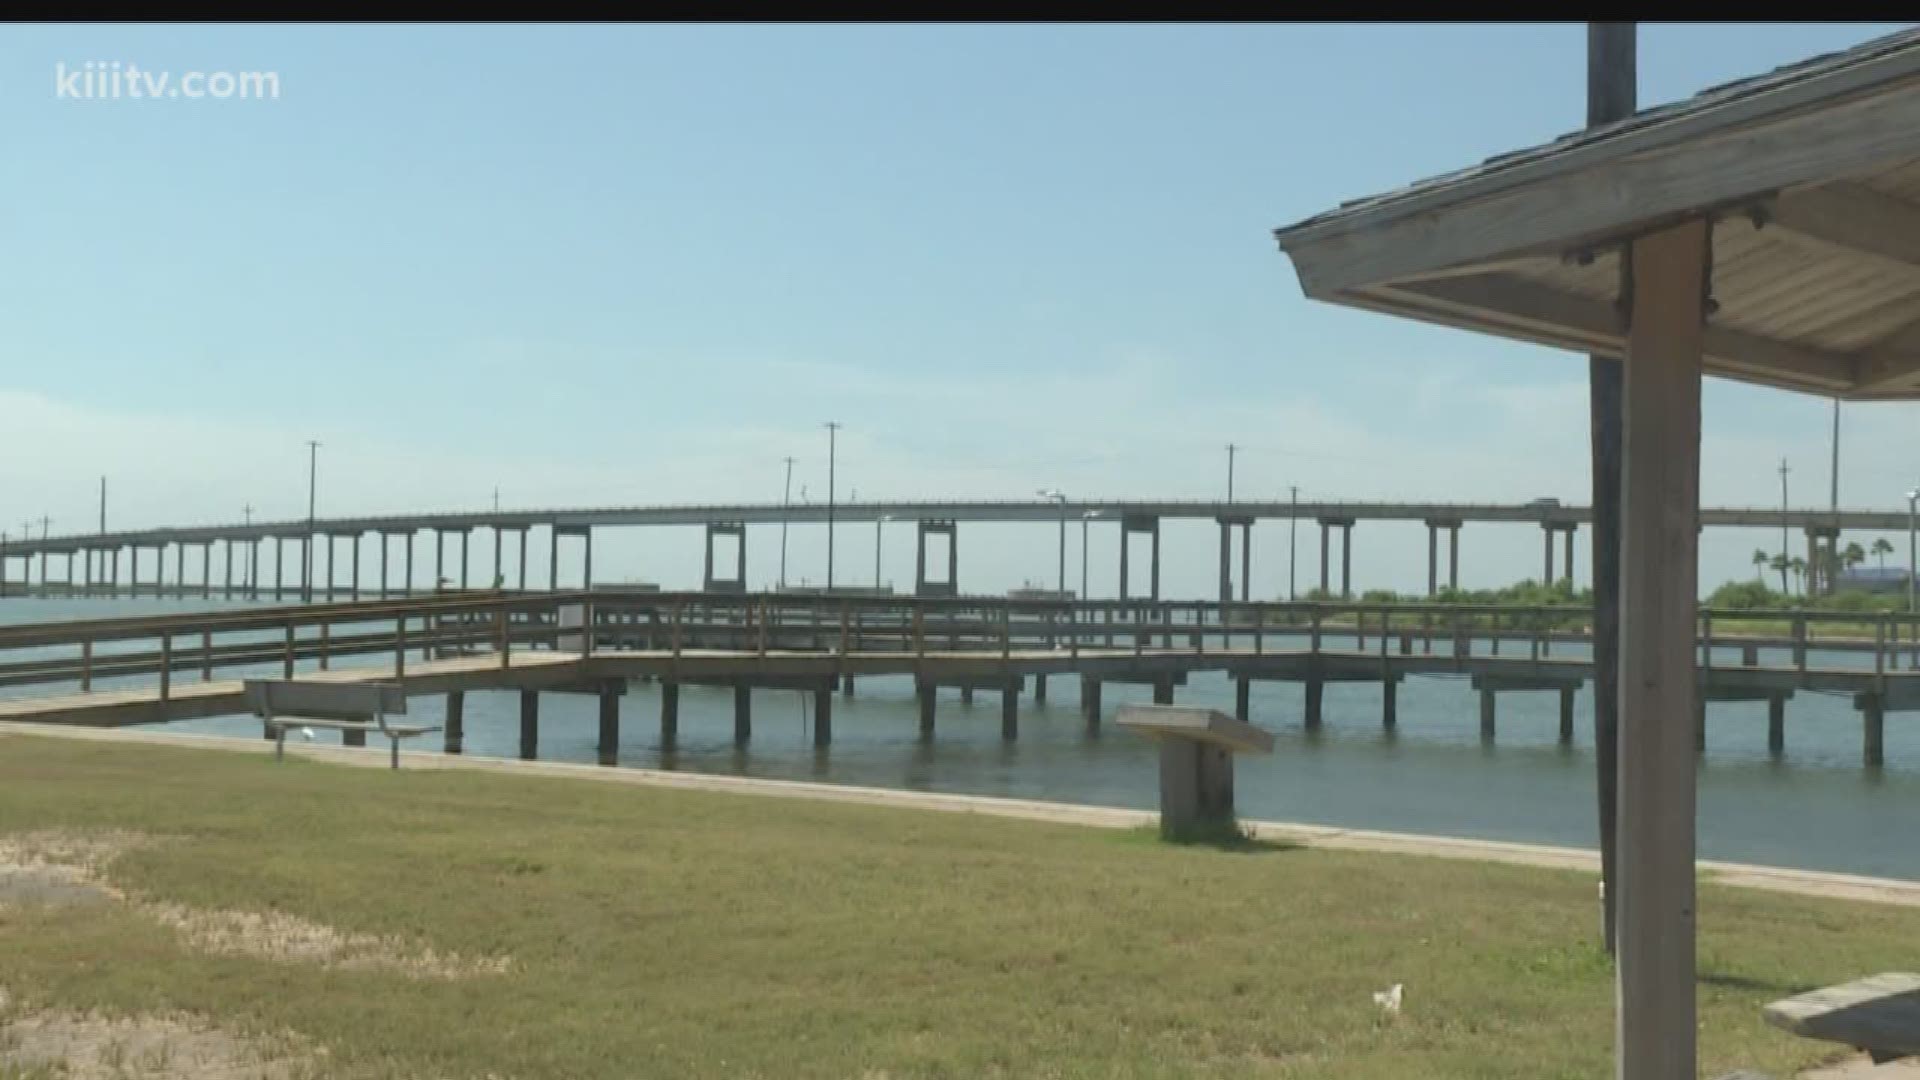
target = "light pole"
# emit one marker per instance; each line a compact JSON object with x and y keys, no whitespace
{"x":1293,"y":522}
{"x":1913,"y":498}
{"x":1057,"y":497}
{"x":786,"y":495}
{"x":833,"y":430}
{"x":1084,"y":518}
{"x":306,"y":555}
{"x":877,"y":522}
{"x":1231,"y":450}
{"x":1783,"y":525}
{"x":103,"y":504}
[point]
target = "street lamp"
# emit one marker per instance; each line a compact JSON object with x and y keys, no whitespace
{"x":306,"y":555}
{"x":1084,"y":518}
{"x":1056,"y":496}
{"x":833,"y":429}
{"x":786,"y":495}
{"x":1913,"y":499}
{"x":877,"y":522}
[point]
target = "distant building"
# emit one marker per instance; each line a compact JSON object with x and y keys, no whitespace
{"x":1874,"y":579}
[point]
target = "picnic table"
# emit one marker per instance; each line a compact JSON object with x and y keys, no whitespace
{"x":1879,"y":1014}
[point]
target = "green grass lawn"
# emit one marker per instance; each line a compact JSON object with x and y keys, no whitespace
{"x":675,"y":933}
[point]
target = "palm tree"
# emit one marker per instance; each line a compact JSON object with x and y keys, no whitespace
{"x":1783,"y":564}
{"x":1853,"y":556}
{"x":1883,"y":548}
{"x":1799,"y":567}
{"x":1760,"y":561}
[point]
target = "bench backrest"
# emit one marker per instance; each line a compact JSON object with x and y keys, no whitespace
{"x":325,"y":701}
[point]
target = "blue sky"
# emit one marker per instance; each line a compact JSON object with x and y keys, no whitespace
{"x":618,"y":264}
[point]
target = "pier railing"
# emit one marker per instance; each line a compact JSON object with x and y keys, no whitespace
{"x":495,"y":627}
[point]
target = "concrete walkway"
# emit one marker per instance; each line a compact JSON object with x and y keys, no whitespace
{"x":1778,"y":879}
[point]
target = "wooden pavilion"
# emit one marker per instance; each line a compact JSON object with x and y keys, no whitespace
{"x":1767,"y":230}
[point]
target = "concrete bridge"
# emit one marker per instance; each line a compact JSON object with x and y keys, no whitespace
{"x":90,"y":564}
{"x":148,"y":669}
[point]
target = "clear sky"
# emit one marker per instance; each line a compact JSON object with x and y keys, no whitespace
{"x":629,"y":264}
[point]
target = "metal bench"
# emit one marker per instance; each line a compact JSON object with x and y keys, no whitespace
{"x":363,"y":707}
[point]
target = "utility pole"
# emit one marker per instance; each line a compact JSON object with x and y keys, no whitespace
{"x":786,"y":494}
{"x":1830,"y":571}
{"x":46,"y":528}
{"x":1293,"y":529}
{"x":496,"y":500}
{"x":1783,"y":525}
{"x":248,"y":510}
{"x":306,"y":555}
{"x":833,"y":430}
{"x":1231,"y":450}
{"x":1612,"y":85}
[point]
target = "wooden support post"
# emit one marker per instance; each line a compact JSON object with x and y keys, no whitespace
{"x":529,"y":725}
{"x":1090,"y":701}
{"x":1010,"y":712}
{"x":1659,"y":561}
{"x":742,"y":714}
{"x":1486,"y":716}
{"x":456,"y":726}
{"x":1566,"y":715}
{"x":924,"y":690}
{"x":966,"y":695}
{"x":823,"y":717}
{"x":1039,"y":688}
{"x":1777,"y":725}
{"x":609,"y":743}
{"x":846,"y":685}
{"x":1242,"y":688}
{"x":1163,"y":691}
{"x":1390,"y":703}
{"x":1315,"y":691}
{"x":1873,"y":722}
{"x":669,"y":715}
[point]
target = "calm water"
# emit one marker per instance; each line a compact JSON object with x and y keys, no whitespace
{"x":1816,"y":808}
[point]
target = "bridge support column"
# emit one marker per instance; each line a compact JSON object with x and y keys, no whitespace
{"x":1346,"y":561}
{"x":924,"y":690}
{"x":669,"y":715}
{"x":1453,"y":557}
{"x":553,"y":558}
{"x":1129,"y":525}
{"x":1242,"y":698}
{"x":742,"y":714}
{"x":1566,"y":715}
{"x":1486,"y":716}
{"x":1546,"y":570}
{"x":738,"y":583}
{"x":522,"y":579}
{"x":1090,"y":701}
{"x":1433,"y":560}
{"x":1010,"y":712}
{"x":179,"y":569}
{"x":456,"y":726}
{"x":465,"y":581}
{"x":279,"y":563}
{"x":1568,"y":561}
{"x":529,"y":725}
{"x":1163,"y":691}
{"x":499,"y":542}
{"x":823,"y":717}
{"x":353,"y":587}
{"x":226,"y":590}
{"x":1873,"y":722}
{"x":1324,"y":531}
{"x":609,"y":744}
{"x":1776,"y":725}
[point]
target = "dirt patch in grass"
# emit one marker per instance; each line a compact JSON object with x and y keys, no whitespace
{"x":84,"y":1046}
{"x":66,"y":867}
{"x":275,"y":935}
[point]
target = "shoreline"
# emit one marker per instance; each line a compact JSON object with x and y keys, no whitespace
{"x":1812,"y":883}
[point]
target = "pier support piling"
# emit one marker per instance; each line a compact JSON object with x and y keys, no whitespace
{"x":669,"y":715}
{"x":1873,"y":721}
{"x":1039,"y":688}
{"x":1776,"y":725}
{"x":1315,"y":691}
{"x":1163,"y":692}
{"x":456,"y":726}
{"x":1090,"y":701}
{"x":1010,"y":713}
{"x":1390,"y":704}
{"x":529,"y":725}
{"x":924,"y":690}
{"x":1566,"y":715}
{"x":1242,"y":695}
{"x":609,"y":743}
{"x":823,"y":717}
{"x":1486,"y":716}
{"x":742,"y":714}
